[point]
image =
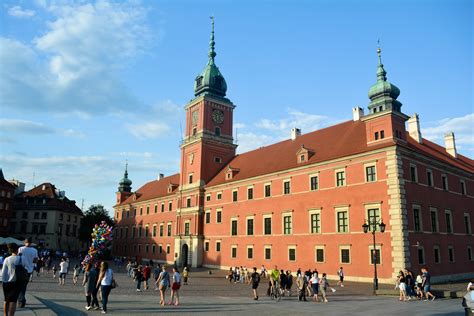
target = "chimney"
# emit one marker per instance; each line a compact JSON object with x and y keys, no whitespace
{"x":357,"y":113}
{"x":414,"y":128}
{"x":450,"y":144}
{"x":161,"y":176}
{"x":295,"y":132}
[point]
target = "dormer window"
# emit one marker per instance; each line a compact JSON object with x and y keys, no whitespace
{"x":231,"y":172}
{"x":302,"y":158}
{"x":304,"y":154}
{"x":199,"y":82}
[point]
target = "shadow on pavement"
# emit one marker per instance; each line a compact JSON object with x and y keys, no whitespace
{"x":60,"y":309}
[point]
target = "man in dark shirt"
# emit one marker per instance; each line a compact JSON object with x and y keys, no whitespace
{"x":427,"y":284}
{"x":255,"y":281}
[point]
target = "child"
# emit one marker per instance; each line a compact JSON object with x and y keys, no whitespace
{"x":77,"y":271}
{"x":55,"y":269}
{"x":185,"y":276}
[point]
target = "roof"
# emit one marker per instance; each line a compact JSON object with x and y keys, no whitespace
{"x":439,"y":152}
{"x":43,"y":190}
{"x":4,"y":183}
{"x":154,"y":189}
{"x":344,"y":139}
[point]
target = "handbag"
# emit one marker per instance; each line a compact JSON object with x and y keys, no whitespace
{"x":114,"y":284}
{"x":22,"y":276}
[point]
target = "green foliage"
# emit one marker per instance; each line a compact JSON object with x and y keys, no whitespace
{"x":94,"y":215}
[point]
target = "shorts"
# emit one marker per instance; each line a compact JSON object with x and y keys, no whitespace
{"x":62,"y":275}
{"x":427,"y":288}
{"x":11,"y":291}
{"x":402,"y":286}
{"x":175,"y":286}
{"x":341,"y":279}
{"x":254,"y":285}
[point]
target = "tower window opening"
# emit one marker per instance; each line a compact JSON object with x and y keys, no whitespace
{"x":217,"y":131}
{"x":218,"y":159}
{"x":194,"y":131}
{"x":382,"y":134}
{"x":199,"y":81}
{"x":380,"y":108}
{"x":376,"y":135}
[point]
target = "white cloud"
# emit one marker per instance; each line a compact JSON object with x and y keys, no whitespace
{"x":19,"y":12}
{"x":73,"y":67}
{"x":250,"y":141}
{"x":145,"y":155}
{"x":463,"y":128}
{"x":239,"y":125}
{"x":148,"y":130}
{"x":24,"y":127}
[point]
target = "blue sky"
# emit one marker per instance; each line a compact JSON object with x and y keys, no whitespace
{"x":86,"y":85}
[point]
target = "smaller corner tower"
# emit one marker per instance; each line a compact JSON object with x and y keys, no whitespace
{"x":125,"y":187}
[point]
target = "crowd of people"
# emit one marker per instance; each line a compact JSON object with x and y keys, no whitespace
{"x":414,"y":288}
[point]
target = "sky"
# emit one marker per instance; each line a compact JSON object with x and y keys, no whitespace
{"x":87,"y":85}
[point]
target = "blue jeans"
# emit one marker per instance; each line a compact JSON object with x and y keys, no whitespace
{"x":21,"y":297}
{"x":105,"y":295}
{"x":139,"y":283}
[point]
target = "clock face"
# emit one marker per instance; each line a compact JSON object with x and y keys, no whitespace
{"x":195,"y":117}
{"x":218,"y":116}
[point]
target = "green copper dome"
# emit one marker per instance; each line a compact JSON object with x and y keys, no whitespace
{"x":383,"y":94}
{"x":125,"y":185}
{"x":210,"y":81}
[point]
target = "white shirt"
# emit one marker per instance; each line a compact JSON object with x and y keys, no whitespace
{"x":314,"y":279}
{"x":177,"y":277}
{"x":63,"y":266}
{"x":107,"y":280}
{"x":8,"y":272}
{"x":28,"y":255}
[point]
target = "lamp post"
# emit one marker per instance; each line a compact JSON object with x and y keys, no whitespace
{"x":374,"y":223}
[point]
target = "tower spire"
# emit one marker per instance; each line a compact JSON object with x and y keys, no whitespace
{"x":381,"y":73}
{"x":125,"y":185}
{"x":212,"y":43}
{"x":126,"y":169}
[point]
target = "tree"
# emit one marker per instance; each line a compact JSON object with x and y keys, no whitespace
{"x":94,"y":215}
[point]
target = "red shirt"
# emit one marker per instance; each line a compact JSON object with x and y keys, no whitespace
{"x":146,"y":272}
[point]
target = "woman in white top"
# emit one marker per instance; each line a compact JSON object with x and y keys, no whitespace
{"x":63,"y":267}
{"x":106,"y":276}
{"x":11,"y":289}
{"x":175,"y":287}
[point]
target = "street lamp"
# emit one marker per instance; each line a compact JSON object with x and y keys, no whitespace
{"x":374,"y":223}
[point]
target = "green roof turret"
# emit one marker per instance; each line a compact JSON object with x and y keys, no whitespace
{"x":125,"y":185}
{"x":210,"y":81}
{"x":383,"y":94}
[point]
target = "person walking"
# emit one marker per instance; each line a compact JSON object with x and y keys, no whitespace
{"x":163,"y":283}
{"x":401,"y":281}
{"x":314,"y":281}
{"x":427,"y":284}
{"x":139,"y":278}
{"x":185,"y":275}
{"x":301,"y":286}
{"x":340,"y":273}
{"x":323,"y":287}
{"x":104,"y":280}
{"x":89,"y":282}
{"x":146,"y":275}
{"x":93,"y":276}
{"x":75,"y":276}
{"x":11,"y":288}
{"x":255,"y":281}
{"x":63,"y":267}
{"x":289,"y":282}
{"x":29,"y":257}
{"x":176,"y":284}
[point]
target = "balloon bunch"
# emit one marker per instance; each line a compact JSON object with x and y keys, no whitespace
{"x":101,"y":235}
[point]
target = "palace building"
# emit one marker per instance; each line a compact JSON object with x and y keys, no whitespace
{"x":301,"y":203}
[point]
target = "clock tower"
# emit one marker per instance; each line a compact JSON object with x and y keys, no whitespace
{"x":208,"y":144}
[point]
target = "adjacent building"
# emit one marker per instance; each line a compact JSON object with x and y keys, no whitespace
{"x":301,"y":203}
{"x":7,"y":191}
{"x":48,"y":216}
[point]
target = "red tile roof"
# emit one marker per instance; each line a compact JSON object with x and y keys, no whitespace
{"x":344,"y":139}
{"x":42,"y":190}
{"x":154,"y":189}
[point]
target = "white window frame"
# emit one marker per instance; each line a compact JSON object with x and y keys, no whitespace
{"x":263,"y":224}
{"x":469,"y":232}
{"x":205,"y":217}
{"x":232,"y":197}
{"x":310,"y":213}
{"x":371,"y":206}
{"x":231,"y":220}
{"x":247,"y":254}
{"x":264,"y":190}
{"x":370,"y":164}
{"x":316,"y":248}
{"x":316,"y":174}
{"x":219,"y":194}
{"x":252,"y":217}
{"x":283,"y":215}
{"x":417,"y":206}
{"x":253,"y":193}
{"x":343,"y":247}
{"x":462,"y":184}
{"x":469,"y":249}
{"x":451,"y":226}
{"x":377,"y":247}
{"x":220,"y":245}
{"x":336,"y":171}
{"x":206,"y":241}
{"x":342,"y":209}
{"x":454,"y":254}
{"x":430,"y":173}
{"x":416,"y":172}
{"x":418,"y":255}
{"x":264,"y":252}
{"x":288,"y":180}
{"x":444,"y":176}
{"x":231,"y":251}
{"x":288,"y":252}
{"x":436,"y":247}
{"x":217,"y":217}
{"x":435,"y":210}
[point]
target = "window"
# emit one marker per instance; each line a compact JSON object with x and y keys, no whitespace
{"x":413,"y":173}
{"x":340,"y":178}
{"x":249,"y":193}
{"x":467,"y":224}
{"x":206,"y":245}
{"x":139,"y":248}
{"x":219,"y":216}
{"x":320,"y":255}
{"x":169,"y":230}
{"x":208,"y":197}
{"x":451,"y":254}
{"x":444,"y":180}
{"x":168,"y":249}
{"x":315,"y":219}
{"x":141,"y":210}
{"x":234,"y":252}
{"x":287,"y":225}
{"x":370,"y":175}
{"x":463,"y":187}
{"x":376,"y":135}
{"x":434,"y":220}
{"x":133,"y":231}
{"x":139,"y":231}
{"x":128,"y":213}
{"x":208,"y":217}
{"x":148,"y":209}
{"x":217,"y":131}
{"x":382,"y":134}
{"x":249,"y":252}
{"x":345,"y":255}
{"x":217,"y":159}
{"x":291,"y":254}
{"x":374,"y":256}
{"x":147,"y":248}
{"x":35,"y":229}
{"x":218,"y":246}
{"x":233,"y":228}
{"x":126,"y":232}
{"x":162,"y":228}
{"x":286,"y":187}
{"x":190,"y":178}
{"x":249,"y":226}
{"x":170,"y":206}
{"x":156,"y":208}
{"x":188,"y":202}
{"x":268,"y":253}
{"x":469,"y":253}
{"x":449,"y":221}
{"x":160,"y":248}
{"x":42,"y":229}
{"x":416,"y":219}
{"x":219,"y":196}
{"x":61,"y":216}
{"x":429,"y":178}
{"x":186,"y":229}
{"x":147,"y":228}
{"x":302,"y":158}
{"x":36,"y":215}
{"x":313,"y":183}
{"x":234,"y":196}
{"x":436,"y":254}
{"x":162,"y":207}
{"x":421,"y":255}
{"x":373,"y":215}
{"x":154,"y":231}
{"x":342,"y":222}
{"x":268,"y":190}
{"x":267,"y":225}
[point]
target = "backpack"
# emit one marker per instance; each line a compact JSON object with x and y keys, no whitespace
{"x":22,"y":276}
{"x":256,"y":278}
